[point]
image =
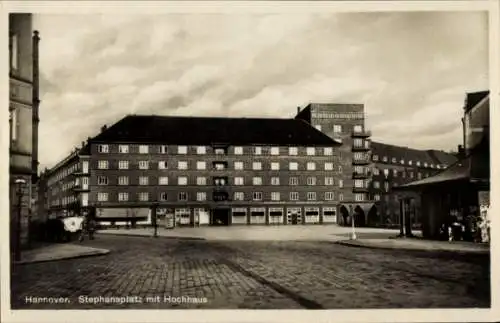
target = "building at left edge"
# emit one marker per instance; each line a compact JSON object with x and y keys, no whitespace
{"x":23,"y":124}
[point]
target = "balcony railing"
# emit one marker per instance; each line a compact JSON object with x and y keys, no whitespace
{"x":363,"y":161}
{"x":361,"y":148}
{"x":361,"y":175}
{"x":363,"y":189}
{"x":362,"y":133}
{"x":219,"y":195}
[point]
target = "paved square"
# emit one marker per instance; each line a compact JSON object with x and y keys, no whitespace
{"x":144,"y":272}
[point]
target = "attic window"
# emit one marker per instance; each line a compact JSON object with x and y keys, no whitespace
{"x":393,"y":160}
{"x":385,"y":159}
{"x":418,"y":163}
{"x":439,"y":166}
{"x":410,"y":162}
{"x":375,"y":157}
{"x":402,"y":161}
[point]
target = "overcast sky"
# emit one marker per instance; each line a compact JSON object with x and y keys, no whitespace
{"x":411,"y":70}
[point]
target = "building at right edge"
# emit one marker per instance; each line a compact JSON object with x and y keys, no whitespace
{"x":458,"y":195}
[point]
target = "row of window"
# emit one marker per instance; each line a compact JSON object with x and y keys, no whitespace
{"x":237,"y":196}
{"x":396,"y":173}
{"x":394,"y":160}
{"x":62,"y":173}
{"x":202,"y":150}
{"x":239,"y":181}
{"x":202,"y":165}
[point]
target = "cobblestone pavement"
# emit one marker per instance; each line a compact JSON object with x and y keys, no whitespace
{"x":254,"y":275}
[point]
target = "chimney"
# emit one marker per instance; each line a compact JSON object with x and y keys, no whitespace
{"x":83,"y":144}
{"x":298,"y":110}
{"x":461,"y":151}
{"x":103,"y":128}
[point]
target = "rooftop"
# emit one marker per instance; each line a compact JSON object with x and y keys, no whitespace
{"x":213,"y":130}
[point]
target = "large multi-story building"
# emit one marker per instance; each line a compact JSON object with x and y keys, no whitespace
{"x":23,"y":122}
{"x":203,"y":171}
{"x":394,"y":166}
{"x":345,"y":123}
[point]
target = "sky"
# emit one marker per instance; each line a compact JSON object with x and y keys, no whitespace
{"x":411,"y":70}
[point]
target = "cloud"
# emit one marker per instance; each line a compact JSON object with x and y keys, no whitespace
{"x":411,"y":70}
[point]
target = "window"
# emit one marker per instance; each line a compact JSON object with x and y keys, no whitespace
{"x":257,"y":181}
{"x":14,"y":51}
{"x":238,"y":165}
{"x":238,"y":150}
{"x":220,"y":151}
{"x":162,"y":149}
{"x":103,"y":148}
{"x":311,"y":181}
{"x":402,"y":161}
{"x":393,"y":160}
{"x":340,"y":168}
{"x":257,"y":196}
{"x":182,"y":150}
{"x":376,"y":184}
{"x":275,"y":196}
{"x":358,"y":143}
{"x":143,"y":149}
{"x":328,"y":166}
{"x":143,"y":164}
{"x":143,"y":180}
{"x":358,"y":128}
{"x":329,"y":196}
{"x":143,"y":196}
{"x":239,"y":196}
{"x":123,"y":180}
{"x":410,"y":162}
{"x":311,"y":151}
{"x":329,"y":181}
{"x":337,"y":128}
{"x":123,"y":164}
{"x":201,"y":150}
{"x":201,"y":196}
{"x":123,"y":196}
{"x":163,"y":196}
{"x":328,"y":151}
{"x":376,"y":171}
{"x":341,"y":183}
{"x":418,"y":163}
{"x":311,"y":166}
{"x":359,"y":197}
{"x":358,"y":183}
{"x":293,"y":166}
{"x":256,"y":165}
{"x":257,"y":150}
{"x":425,"y":164}
{"x":375,"y":157}
{"x":182,"y":180}
{"x":238,"y":181}
{"x":163,"y":180}
{"x":386,"y":186}
{"x":14,"y":123}
{"x":275,"y":151}
{"x":318,"y":126}
{"x":102,"y":197}
{"x":386,"y":172}
{"x":182,"y":165}
{"x":182,"y":196}
{"x":294,"y":181}
{"x":162,"y":164}
{"x":102,"y":164}
{"x":275,"y":166}
{"x":293,"y":151}
{"x":341,"y":196}
{"x":201,"y":181}
{"x":123,"y":149}
{"x":102,"y":180}
{"x":403,"y":174}
{"x":376,"y":197}
{"x":385,"y":159}
{"x":294,"y":196}
{"x":419,"y":175}
{"x":219,"y":165}
{"x":311,"y":196}
{"x":275,"y":181}
{"x":201,"y":165}
{"x":85,"y":167}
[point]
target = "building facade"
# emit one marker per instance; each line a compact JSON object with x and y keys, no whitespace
{"x":345,"y":123}
{"x":214,"y":171}
{"x":23,"y":122}
{"x":459,"y":195}
{"x":394,"y":166}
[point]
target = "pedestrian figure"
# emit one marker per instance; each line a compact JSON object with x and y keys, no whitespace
{"x":84,"y":228}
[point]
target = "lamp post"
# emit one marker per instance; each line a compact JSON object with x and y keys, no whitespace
{"x":353,"y":233}
{"x":19,"y":191}
{"x":154,"y":219}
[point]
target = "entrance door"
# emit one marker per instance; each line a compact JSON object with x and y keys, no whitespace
{"x":294,"y":216}
{"x":220,"y":217}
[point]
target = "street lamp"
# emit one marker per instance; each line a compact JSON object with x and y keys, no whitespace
{"x":353,"y":234}
{"x":19,"y":191}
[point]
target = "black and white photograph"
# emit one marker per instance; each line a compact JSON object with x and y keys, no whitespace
{"x":280,"y":159}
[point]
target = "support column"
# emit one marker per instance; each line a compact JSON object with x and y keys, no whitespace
{"x":401,"y":219}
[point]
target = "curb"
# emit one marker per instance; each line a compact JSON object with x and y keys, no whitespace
{"x":28,"y":262}
{"x":457,"y":252}
{"x":151,"y":236}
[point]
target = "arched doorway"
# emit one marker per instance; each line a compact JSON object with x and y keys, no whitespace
{"x":345,"y":215}
{"x":359,"y":217}
{"x":373,"y":217}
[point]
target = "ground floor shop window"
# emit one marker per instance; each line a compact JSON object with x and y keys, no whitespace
{"x":257,"y":215}
{"x":329,"y":215}
{"x":239,"y":215}
{"x":312,"y":215}
{"x":275,"y":215}
{"x":182,"y":216}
